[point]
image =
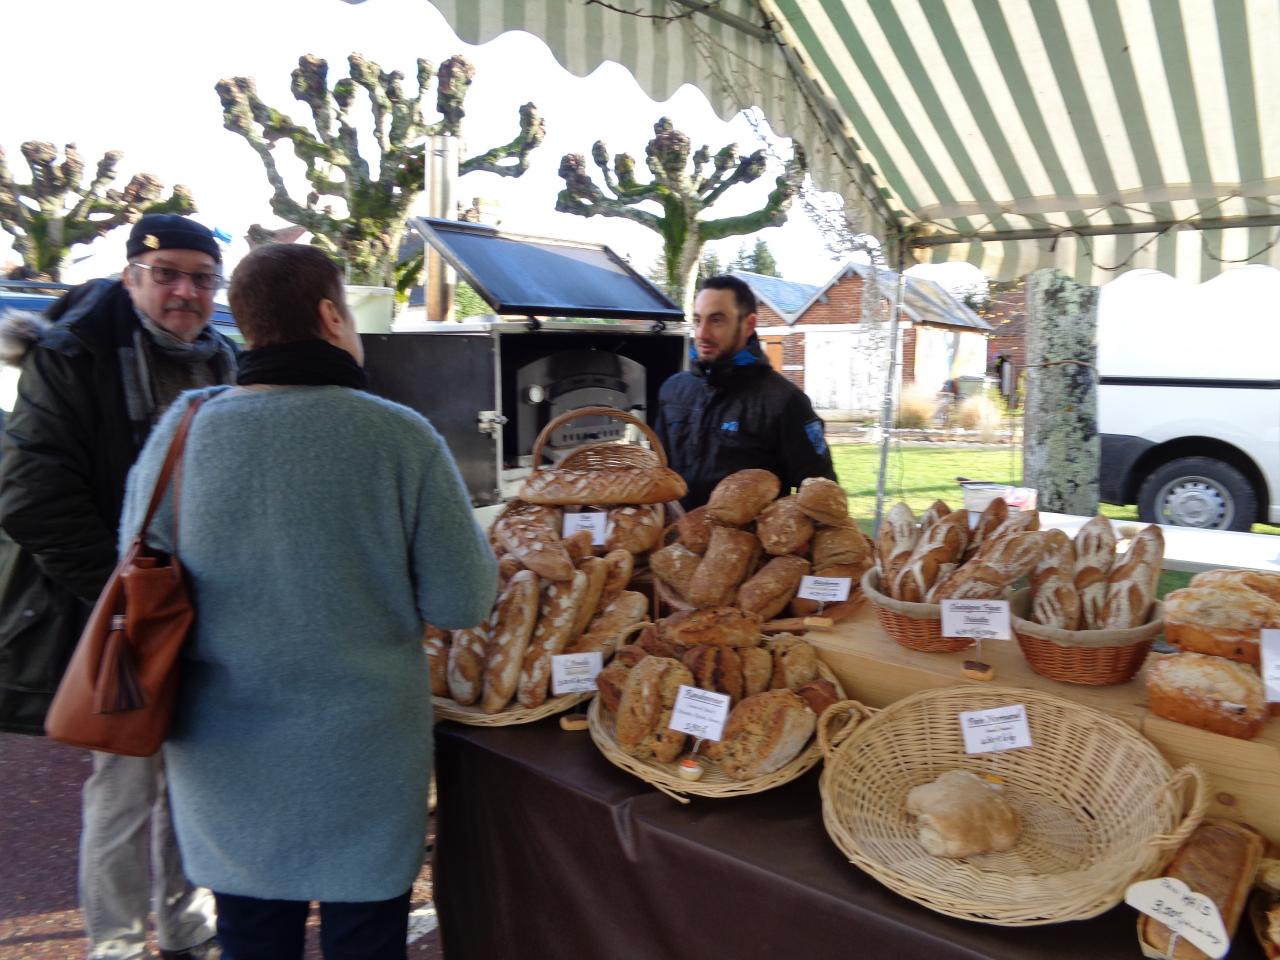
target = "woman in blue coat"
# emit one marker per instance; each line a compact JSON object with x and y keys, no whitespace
{"x":319,"y":526}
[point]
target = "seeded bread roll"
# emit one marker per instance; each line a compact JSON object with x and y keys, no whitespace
{"x":824,"y":500}
{"x":695,"y":530}
{"x":1223,"y":621}
{"x":718,"y":669}
{"x":510,"y":628}
{"x":559,"y":610}
{"x":645,"y":709}
{"x":620,"y":565}
{"x":795,"y":662}
{"x":894,"y":543}
{"x":436,"y":644}
{"x":713,"y":626}
{"x":531,"y":532}
{"x":675,"y":566}
{"x":773,"y":586}
{"x":466,"y":664}
{"x":634,"y":529}
{"x":729,"y":559}
{"x":1259,"y":581}
{"x":784,"y":528}
{"x":1207,"y":692}
{"x":625,"y":610}
{"x":764,"y":733}
{"x":739,"y":497}
{"x":1055,"y":602}
{"x":1131,"y":585}
{"x":961,"y":815}
{"x":757,"y":669}
{"x":1095,"y":556}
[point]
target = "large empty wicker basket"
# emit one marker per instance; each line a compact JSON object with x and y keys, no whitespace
{"x":1099,"y":807}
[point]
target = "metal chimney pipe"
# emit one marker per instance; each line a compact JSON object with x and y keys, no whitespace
{"x":439,"y":279}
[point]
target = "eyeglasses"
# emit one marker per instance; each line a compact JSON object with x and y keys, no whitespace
{"x":168,"y":276}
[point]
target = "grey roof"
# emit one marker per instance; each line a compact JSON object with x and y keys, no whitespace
{"x":923,"y":301}
{"x":786,"y":297}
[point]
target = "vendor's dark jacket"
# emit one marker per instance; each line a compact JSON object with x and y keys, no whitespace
{"x":716,"y":419}
{"x":65,"y":455}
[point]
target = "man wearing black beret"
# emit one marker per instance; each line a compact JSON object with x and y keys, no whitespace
{"x":95,"y":379}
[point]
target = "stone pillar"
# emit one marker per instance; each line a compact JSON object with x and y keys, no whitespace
{"x":1060,"y":432}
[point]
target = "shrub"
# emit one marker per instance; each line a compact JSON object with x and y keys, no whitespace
{"x":983,"y":412}
{"x":916,"y":407}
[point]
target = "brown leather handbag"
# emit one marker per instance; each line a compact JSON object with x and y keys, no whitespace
{"x":121,"y":685}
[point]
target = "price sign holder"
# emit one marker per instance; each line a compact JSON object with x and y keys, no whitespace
{"x":995,"y":729}
{"x":593,"y":521}
{"x":1271,"y":664}
{"x":825,"y":589}
{"x":1189,"y":915}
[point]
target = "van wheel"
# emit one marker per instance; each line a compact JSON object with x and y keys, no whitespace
{"x":1198,"y":492}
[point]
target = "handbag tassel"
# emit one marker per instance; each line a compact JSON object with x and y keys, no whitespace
{"x":118,"y":688}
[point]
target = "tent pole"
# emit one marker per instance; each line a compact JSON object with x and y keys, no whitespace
{"x":886,"y":411}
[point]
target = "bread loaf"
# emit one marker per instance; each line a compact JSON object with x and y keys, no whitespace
{"x":466,"y":664}
{"x":531,"y":533}
{"x":1054,"y":599}
{"x":939,"y":548}
{"x":597,"y":571}
{"x":937,"y":510}
{"x":653,"y":640}
{"x":610,"y":682}
{"x":833,"y":545}
{"x":998,"y":563}
{"x":1219,"y":861}
{"x":737,"y":498}
{"x":713,"y":626}
{"x":1207,"y":692}
{"x":436,"y":644}
{"x":795,"y":662}
{"x":619,"y":566}
{"x":757,"y":669}
{"x":803,"y":606}
{"x":784,"y":528}
{"x":818,"y":695}
{"x":1131,"y":585}
{"x":645,"y":709}
{"x":823,"y":500}
{"x":510,"y":628}
{"x":1259,"y":581}
{"x":990,"y":520}
{"x":625,"y":610}
{"x":718,"y":669}
{"x":629,"y":485}
{"x":1223,"y":621}
{"x":579,"y":546}
{"x":894,"y":542}
{"x":675,"y":566}
{"x":695,"y":530}
{"x":764,"y":733}
{"x":962,"y":815}
{"x":634,"y":529}
{"x":1095,"y":548}
{"x":773,"y":586}
{"x":508,"y":567}
{"x":730,"y":556}
{"x":559,"y":610}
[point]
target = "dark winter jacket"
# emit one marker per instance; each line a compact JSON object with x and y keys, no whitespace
{"x":65,"y":454}
{"x":716,"y":419}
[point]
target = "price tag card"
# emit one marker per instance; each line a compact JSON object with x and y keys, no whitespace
{"x":825,"y":589}
{"x":592,"y":521}
{"x":575,"y":672}
{"x":1192,"y":916}
{"x":700,"y":713}
{"x":980,"y":619}
{"x":996,"y":729}
{"x":1271,"y":663}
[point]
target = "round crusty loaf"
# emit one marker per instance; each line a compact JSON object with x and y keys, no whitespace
{"x":784,"y":528}
{"x":764,"y":733}
{"x":739,"y":497}
{"x":824,"y":500}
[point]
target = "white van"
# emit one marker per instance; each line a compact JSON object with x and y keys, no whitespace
{"x":1189,"y":397}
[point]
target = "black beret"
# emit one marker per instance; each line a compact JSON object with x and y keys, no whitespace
{"x":168,"y":231}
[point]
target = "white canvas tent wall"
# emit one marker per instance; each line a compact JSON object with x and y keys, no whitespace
{"x":1090,"y":135}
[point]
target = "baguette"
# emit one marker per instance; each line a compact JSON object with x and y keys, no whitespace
{"x":560,"y":603}
{"x":1131,"y":585}
{"x":1219,"y":861}
{"x":510,"y":627}
{"x":1095,"y":556}
{"x":739,"y":497}
{"x":466,"y":664}
{"x":937,"y":510}
{"x":996,"y":512}
{"x":1055,"y":602}
{"x":436,"y":644}
{"x":940,"y":544}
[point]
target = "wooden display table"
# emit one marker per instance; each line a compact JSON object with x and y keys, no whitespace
{"x":1244,"y":775}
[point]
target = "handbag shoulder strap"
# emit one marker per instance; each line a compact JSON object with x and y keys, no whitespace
{"x":172,"y":467}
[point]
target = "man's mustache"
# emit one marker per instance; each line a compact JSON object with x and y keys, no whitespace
{"x":181,"y":303}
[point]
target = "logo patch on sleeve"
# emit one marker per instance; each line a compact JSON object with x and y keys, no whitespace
{"x":813,"y":429}
{"x":729,"y":426}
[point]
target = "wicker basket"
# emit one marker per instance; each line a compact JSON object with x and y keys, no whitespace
{"x":714,"y":782}
{"x":1099,"y":807}
{"x":644,"y":474}
{"x":1095,"y":657}
{"x":916,"y":626}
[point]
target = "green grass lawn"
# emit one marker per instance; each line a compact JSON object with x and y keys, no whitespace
{"x":921,"y":475}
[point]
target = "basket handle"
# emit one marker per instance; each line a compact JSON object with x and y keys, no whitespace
{"x":838,"y":721}
{"x":625,"y":634}
{"x":545,"y":433}
{"x":1199,"y":803}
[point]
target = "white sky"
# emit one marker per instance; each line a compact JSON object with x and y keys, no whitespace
{"x":139,"y":77}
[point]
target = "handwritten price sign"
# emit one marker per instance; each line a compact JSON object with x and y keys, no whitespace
{"x":825,"y":589}
{"x":1190,"y":915}
{"x":1271,"y":663}
{"x":979,"y":619}
{"x":700,"y":713}
{"x":592,"y":522}
{"x":575,"y":672}
{"x":996,"y":729}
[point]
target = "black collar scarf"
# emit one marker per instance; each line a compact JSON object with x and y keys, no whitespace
{"x":311,"y":363}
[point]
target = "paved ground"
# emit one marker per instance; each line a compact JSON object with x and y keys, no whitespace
{"x":39,"y":835}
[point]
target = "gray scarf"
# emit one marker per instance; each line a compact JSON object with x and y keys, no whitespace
{"x":156,"y":352}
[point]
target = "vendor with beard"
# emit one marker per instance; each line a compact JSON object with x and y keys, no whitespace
{"x":731,"y":410}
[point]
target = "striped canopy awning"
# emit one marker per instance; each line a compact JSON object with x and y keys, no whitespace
{"x":1091,"y":135}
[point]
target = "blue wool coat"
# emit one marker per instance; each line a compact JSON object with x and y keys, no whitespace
{"x":319,"y":527}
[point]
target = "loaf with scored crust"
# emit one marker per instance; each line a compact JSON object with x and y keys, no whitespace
{"x":1095,"y":547}
{"x":1055,"y":602}
{"x":510,"y":628}
{"x":764,"y":733}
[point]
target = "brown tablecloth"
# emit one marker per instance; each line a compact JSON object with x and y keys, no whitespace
{"x":546,"y":850}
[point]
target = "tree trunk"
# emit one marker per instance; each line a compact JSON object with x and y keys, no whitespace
{"x":1060,"y":434}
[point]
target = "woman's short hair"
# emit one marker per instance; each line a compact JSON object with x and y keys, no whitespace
{"x":276,"y":292}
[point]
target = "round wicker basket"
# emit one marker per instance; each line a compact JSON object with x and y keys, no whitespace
{"x":916,"y":626}
{"x":714,"y":782}
{"x":1099,"y":807}
{"x":1094,"y":657}
{"x":447,"y":709}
